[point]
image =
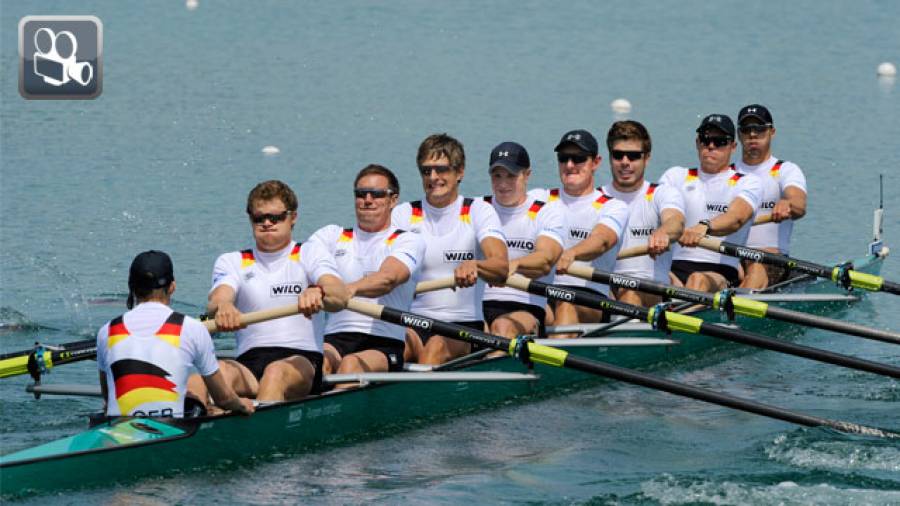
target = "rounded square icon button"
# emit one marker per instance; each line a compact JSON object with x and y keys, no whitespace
{"x":60,"y":57}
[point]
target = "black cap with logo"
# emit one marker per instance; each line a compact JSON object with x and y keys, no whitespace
{"x":718,"y":121}
{"x":150,"y":270}
{"x":757,"y":111}
{"x":581,"y":139}
{"x":510,"y":155}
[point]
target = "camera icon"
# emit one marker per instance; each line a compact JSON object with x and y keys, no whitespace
{"x":55,"y":61}
{"x":60,"y":57}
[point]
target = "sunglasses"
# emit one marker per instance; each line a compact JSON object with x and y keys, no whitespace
{"x":259,"y":219}
{"x":376,"y":193}
{"x":716,"y":140}
{"x":576,"y":159}
{"x":754,"y":129}
{"x":425,"y":170}
{"x":631,"y":155}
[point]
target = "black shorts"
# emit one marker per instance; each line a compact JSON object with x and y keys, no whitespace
{"x":425,"y":335}
{"x":352,"y":342}
{"x":256,"y":359}
{"x":604,"y":318}
{"x":494,"y":309}
{"x":682,"y":269}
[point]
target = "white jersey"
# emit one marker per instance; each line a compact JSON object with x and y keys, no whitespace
{"x":269,"y":280}
{"x":645,"y":206}
{"x":357,"y":254}
{"x":147,"y":355}
{"x":707,"y":196}
{"x":776,"y":176}
{"x":581,"y":215}
{"x":452,"y":235}
{"x":523,"y":225}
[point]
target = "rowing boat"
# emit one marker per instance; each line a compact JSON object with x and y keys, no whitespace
{"x":106,"y":453}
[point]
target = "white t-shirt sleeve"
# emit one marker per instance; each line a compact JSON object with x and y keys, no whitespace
{"x":400,"y":216}
{"x":552,"y":223}
{"x":317,"y":262}
{"x":326,"y":237}
{"x":409,"y":249}
{"x":750,"y":189}
{"x":615,"y":216}
{"x":539,"y":194}
{"x":667,"y":196}
{"x":673,"y":176}
{"x":791,"y":175}
{"x":486,"y":221}
{"x":226,"y":272}
{"x":102,"y":339}
{"x":204,"y":352}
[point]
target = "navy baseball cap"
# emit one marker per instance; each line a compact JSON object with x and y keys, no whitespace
{"x":510,"y":155}
{"x":757,"y":111}
{"x":149,"y":270}
{"x":718,"y":121}
{"x":581,"y":139}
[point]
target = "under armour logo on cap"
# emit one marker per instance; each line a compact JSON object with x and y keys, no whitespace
{"x":573,"y":137}
{"x":504,"y":154}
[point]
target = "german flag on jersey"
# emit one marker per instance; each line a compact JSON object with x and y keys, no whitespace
{"x":554,"y":195}
{"x":733,"y":180}
{"x":650,"y":191}
{"x":295,"y":253}
{"x":138,"y":382}
{"x":602,"y":199}
{"x":776,"y":168}
{"x":390,"y":240}
{"x":117,"y":332}
{"x":247,"y":258}
{"x":346,"y":235}
{"x":692,"y":175}
{"x":465,"y":212}
{"x":535,"y":209}
{"x":170,"y":331}
{"x":417,"y":214}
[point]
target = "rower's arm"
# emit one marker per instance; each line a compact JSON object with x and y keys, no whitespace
{"x":739,"y":212}
{"x":792,"y":204}
{"x":335,"y":294}
{"x":600,"y":240}
{"x":222,"y":295}
{"x":494,"y":268}
{"x":672,"y":223}
{"x":539,"y":262}
{"x":390,"y":275}
{"x":224,"y":396}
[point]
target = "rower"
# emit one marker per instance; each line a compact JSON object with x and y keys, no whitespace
{"x":145,"y":355}
{"x":462,"y":239}
{"x":533,"y":233}
{"x":718,"y":201}
{"x":382,"y":261}
{"x":784,"y":192}
{"x":594,"y":222}
{"x":279,"y":359}
{"x":656,"y":211}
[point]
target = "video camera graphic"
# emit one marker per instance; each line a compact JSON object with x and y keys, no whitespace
{"x":60,"y":57}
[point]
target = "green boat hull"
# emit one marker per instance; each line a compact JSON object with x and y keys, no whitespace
{"x":129,"y":449}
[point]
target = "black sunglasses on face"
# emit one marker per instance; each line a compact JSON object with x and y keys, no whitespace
{"x":576,"y":159}
{"x":274,"y":218}
{"x":425,"y":170}
{"x":376,"y":193}
{"x":716,"y":140}
{"x":631,"y":155}
{"x":754,"y":129}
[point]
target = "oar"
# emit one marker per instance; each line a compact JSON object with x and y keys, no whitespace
{"x":43,"y":358}
{"x":530,"y":351}
{"x":435,"y":284}
{"x":726,"y":301}
{"x":669,"y":320}
{"x":637,"y":251}
{"x":843,"y":275}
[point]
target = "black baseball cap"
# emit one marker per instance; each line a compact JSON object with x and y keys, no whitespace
{"x":150,"y":270}
{"x":580,"y":138}
{"x":718,"y":121}
{"x":510,"y":155}
{"x":757,"y":111}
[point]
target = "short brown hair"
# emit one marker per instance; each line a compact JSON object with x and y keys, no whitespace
{"x":379,"y":170}
{"x":273,"y":189}
{"x":437,"y":145}
{"x":628,"y":130}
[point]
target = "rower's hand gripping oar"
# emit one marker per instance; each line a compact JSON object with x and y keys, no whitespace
{"x":666,"y":321}
{"x":730,"y":303}
{"x":42,"y":358}
{"x":843,"y":275}
{"x":530,"y":351}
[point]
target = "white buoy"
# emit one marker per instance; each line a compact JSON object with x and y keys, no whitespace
{"x":191,"y":4}
{"x":620,"y":106}
{"x":887,"y":69}
{"x":271,"y":150}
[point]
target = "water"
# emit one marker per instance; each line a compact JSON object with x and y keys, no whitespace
{"x":165,"y":157}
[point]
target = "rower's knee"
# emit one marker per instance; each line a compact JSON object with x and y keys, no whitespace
{"x":504,"y":327}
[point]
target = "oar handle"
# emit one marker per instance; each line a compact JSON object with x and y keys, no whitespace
{"x":259,"y":316}
{"x":581,"y":271}
{"x":763,"y":219}
{"x":635,"y":251}
{"x":364,"y":307}
{"x":711,"y":244}
{"x":435,"y":284}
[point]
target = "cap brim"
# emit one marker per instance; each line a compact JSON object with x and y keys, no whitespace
{"x":508,"y":165}
{"x":706,"y":128}
{"x":757,"y":116}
